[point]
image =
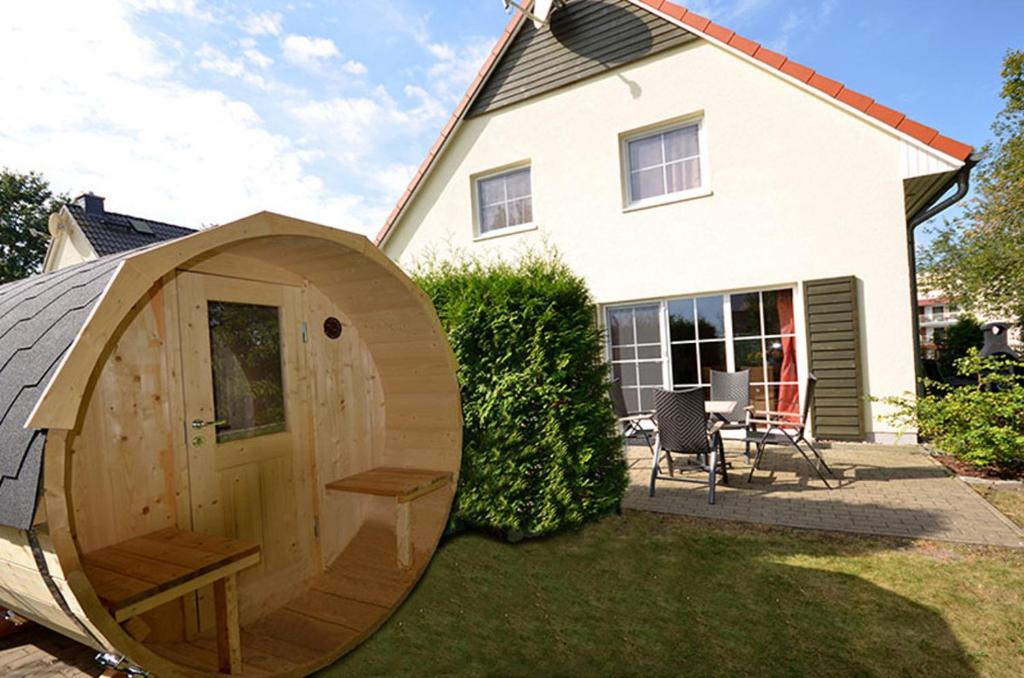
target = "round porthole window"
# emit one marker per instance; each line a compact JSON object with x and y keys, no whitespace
{"x":332,"y":328}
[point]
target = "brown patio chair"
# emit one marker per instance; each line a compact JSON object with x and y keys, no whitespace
{"x":784,"y":428}
{"x":683,"y":429}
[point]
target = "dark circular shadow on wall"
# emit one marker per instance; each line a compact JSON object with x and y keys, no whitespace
{"x":601,"y":30}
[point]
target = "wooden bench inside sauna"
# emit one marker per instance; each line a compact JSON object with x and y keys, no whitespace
{"x":233,"y":453}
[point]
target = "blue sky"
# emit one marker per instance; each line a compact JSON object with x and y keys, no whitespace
{"x":200,"y":111}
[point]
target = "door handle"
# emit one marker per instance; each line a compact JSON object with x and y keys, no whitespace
{"x":199,"y":423}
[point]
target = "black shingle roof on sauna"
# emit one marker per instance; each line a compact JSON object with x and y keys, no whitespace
{"x":39,"y":319}
{"x":110,"y":232}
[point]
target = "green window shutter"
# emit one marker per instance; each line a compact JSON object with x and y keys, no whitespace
{"x":833,"y":339}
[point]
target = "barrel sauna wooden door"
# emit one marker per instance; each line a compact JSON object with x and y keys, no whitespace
{"x":246,"y":425}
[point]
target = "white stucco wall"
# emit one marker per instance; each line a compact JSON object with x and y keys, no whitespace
{"x":800,"y":190}
{"x":69,"y":245}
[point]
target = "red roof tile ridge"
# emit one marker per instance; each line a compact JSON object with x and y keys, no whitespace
{"x":806,"y":75}
{"x":707,"y":29}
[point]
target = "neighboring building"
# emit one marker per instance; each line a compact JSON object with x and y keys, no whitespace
{"x":935,"y":315}
{"x":83,"y":230}
{"x":728,"y":208}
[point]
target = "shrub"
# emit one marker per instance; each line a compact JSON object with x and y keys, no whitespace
{"x":962,"y":336}
{"x":981,"y":423}
{"x":541,"y":450}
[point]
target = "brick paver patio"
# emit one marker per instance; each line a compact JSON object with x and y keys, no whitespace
{"x":37,"y":651}
{"x":883,"y":490}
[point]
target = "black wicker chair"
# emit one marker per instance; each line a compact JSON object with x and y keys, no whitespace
{"x":783,"y":428}
{"x":683,"y":429}
{"x":631,"y":424}
{"x":733,"y":386}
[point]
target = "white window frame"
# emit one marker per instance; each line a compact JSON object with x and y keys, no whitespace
{"x":667,"y":380}
{"x":703,"y":190}
{"x":476,"y":179}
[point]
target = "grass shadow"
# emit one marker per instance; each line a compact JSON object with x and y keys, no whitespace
{"x":647,"y":594}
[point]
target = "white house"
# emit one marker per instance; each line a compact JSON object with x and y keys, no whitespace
{"x":84,"y":230}
{"x":729,"y":208}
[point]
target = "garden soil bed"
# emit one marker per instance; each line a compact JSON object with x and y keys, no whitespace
{"x":963,"y":468}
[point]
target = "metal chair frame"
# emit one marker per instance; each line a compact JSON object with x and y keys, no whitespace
{"x":630,"y":424}
{"x":778,"y":428}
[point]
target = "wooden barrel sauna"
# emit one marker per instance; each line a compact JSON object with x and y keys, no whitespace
{"x":230,"y":453}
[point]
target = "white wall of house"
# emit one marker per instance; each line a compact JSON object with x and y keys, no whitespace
{"x":799,"y":189}
{"x":68,"y":245}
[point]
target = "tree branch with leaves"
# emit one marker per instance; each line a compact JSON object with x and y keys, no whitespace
{"x":26,"y":203}
{"x":977,"y":258}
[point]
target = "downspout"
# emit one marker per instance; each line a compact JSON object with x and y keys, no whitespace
{"x":962,"y":181}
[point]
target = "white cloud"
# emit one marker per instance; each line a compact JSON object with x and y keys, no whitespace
{"x":449,"y":77}
{"x":304,"y":50}
{"x":257,"y":57}
{"x":441,"y":51}
{"x":212,"y":59}
{"x":267,"y":23}
{"x":189,"y":8}
{"x":354,"y":67}
{"x":114,"y":120}
{"x":353,"y":128}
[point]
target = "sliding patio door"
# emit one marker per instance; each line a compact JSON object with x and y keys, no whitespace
{"x":676,"y":343}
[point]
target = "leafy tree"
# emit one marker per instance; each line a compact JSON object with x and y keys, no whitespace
{"x":960,"y":339}
{"x":978,"y":257}
{"x":26,"y":203}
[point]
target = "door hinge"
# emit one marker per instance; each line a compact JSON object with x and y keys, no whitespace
{"x":305,"y":332}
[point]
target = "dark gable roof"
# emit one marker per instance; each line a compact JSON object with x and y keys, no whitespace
{"x":39,"y":319}
{"x":110,"y":233}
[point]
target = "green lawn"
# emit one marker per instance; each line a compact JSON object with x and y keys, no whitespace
{"x":1011,"y":503}
{"x":645,"y":594}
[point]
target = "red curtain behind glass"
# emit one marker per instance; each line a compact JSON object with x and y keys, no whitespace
{"x":789,"y":394}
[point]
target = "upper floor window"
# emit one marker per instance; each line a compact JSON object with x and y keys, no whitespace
{"x":665,"y":164}
{"x":504,"y":200}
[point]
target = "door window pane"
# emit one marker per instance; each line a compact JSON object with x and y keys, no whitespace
{"x":778,"y":312}
{"x":680,"y":318}
{"x":635,"y":336}
{"x":749,"y":357}
{"x":712,"y":357}
{"x":245,"y":354}
{"x":648,"y":325}
{"x":746,"y":314}
{"x":684,"y":365}
{"x":620,"y":326}
{"x":710,"y":318}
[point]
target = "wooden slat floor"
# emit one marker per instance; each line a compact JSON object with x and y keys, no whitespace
{"x":339,"y":609}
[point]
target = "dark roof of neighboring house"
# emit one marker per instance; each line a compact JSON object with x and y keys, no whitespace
{"x":110,"y":233}
{"x":695,"y":23}
{"x":39,"y":319}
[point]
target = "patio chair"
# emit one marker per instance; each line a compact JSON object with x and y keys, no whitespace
{"x":785,"y":429}
{"x":631,"y":423}
{"x":733,"y":386}
{"x":683,"y":429}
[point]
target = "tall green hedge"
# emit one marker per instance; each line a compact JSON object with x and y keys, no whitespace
{"x":540,"y":446}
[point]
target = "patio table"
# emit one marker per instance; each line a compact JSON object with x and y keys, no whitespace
{"x":719,"y":408}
